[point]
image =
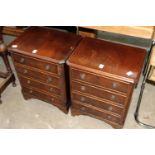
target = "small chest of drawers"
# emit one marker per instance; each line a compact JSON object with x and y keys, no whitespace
{"x":102,"y":79}
{"x":39,"y":56}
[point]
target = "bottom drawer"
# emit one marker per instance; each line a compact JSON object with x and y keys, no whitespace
{"x":95,"y":112}
{"x":45,"y":97}
{"x":98,"y":103}
{"x":28,"y":82}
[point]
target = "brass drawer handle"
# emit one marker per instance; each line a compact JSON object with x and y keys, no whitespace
{"x":110,"y":108}
{"x":83,"y":99}
{"x":28,"y":81}
{"x":114,"y":85}
{"x":52,"y":99}
{"x":51,"y":89}
{"x":30,"y":91}
{"x":82,"y":76}
{"x":22,"y":60}
{"x":82,"y":108}
{"x":113,"y":97}
{"x":83,"y":88}
{"x":47,"y":67}
{"x":49,"y":80}
{"x":109,"y":117}
{"x":25,"y":71}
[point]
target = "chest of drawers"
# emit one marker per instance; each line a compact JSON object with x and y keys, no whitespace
{"x":103,"y":76}
{"x":39,"y":56}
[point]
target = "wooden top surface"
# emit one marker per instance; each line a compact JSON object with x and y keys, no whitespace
{"x":109,"y":59}
{"x":136,"y":31}
{"x":46,"y":43}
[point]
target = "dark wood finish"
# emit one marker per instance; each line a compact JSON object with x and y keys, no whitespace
{"x":99,"y":92}
{"x":102,"y":79}
{"x":52,"y":45}
{"x":39,"y":56}
{"x":37,"y":74}
{"x":8,"y":76}
{"x":36,"y":63}
{"x":30,"y":82}
{"x":98,"y":102}
{"x":93,"y":52}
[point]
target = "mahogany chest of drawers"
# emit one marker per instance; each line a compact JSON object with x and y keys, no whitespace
{"x":103,"y":76}
{"x":39,"y":56}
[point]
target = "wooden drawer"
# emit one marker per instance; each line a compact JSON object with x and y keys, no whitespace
{"x":97,"y":103}
{"x":100,"y":81}
{"x":43,"y":96}
{"x":45,"y":78}
{"x":92,"y":90}
{"x":96,"y":112}
{"x":27,"y":82}
{"x":36,"y":63}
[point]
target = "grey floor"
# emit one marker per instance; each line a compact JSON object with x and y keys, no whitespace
{"x":15,"y":112}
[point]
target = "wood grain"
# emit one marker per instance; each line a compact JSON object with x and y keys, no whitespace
{"x":99,"y":72}
{"x":136,"y":31}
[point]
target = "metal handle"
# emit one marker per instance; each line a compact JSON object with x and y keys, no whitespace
{"x":83,"y":88}
{"x":25,"y":71}
{"x":110,"y":108}
{"x":49,"y":80}
{"x":82,"y":76}
{"x":51,"y":89}
{"x":30,"y":91}
{"x":47,"y":67}
{"x":114,"y":85}
{"x":109,"y":117}
{"x":82,"y":108}
{"x":22,"y":60}
{"x":28,"y":81}
{"x":113,"y":97}
{"x":82,"y":99}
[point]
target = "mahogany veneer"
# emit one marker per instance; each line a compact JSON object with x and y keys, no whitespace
{"x":39,"y":56}
{"x":102,"y":79}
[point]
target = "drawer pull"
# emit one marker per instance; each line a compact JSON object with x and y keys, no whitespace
{"x":83,"y":88}
{"x":109,"y":117}
{"x":114,"y":85}
{"x":51,"y":89}
{"x":82,"y":108}
{"x":82,"y":99}
{"x":82,"y":76}
{"x":110,"y":108}
{"x":25,"y":71}
{"x":52,"y":99}
{"x":22,"y":60}
{"x":30,"y":91}
{"x":28,"y":81}
{"x":47,"y":67}
{"x":113,"y":97}
{"x":49,"y":80}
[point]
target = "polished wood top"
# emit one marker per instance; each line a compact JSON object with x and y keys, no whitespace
{"x":109,"y":59}
{"x":46,"y":43}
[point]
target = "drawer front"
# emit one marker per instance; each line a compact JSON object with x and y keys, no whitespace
{"x":94,"y":112}
{"x":97,"y":103}
{"x":100,"y":81}
{"x":21,"y":59}
{"x":27,"y":82}
{"x":42,"y":96}
{"x":98,"y":92}
{"x":45,"y":78}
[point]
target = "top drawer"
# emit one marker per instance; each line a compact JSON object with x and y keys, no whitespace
{"x":100,"y":81}
{"x":45,"y":66}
